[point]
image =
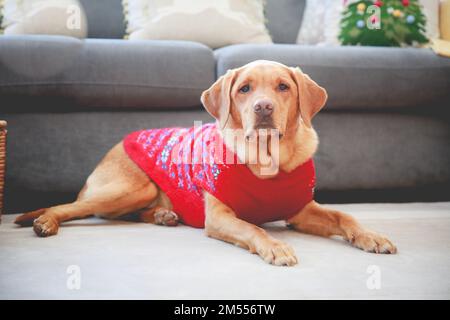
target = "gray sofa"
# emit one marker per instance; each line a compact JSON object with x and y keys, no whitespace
{"x":384,"y":133}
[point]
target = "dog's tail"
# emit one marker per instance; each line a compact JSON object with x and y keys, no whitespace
{"x":26,"y":219}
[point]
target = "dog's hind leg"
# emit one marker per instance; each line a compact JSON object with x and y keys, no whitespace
{"x":116,"y":187}
{"x":111,"y":201}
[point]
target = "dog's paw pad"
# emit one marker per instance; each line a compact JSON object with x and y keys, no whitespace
{"x":373,"y":242}
{"x":45,"y":226}
{"x":166,"y":217}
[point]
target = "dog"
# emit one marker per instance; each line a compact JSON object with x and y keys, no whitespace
{"x":262,"y":95}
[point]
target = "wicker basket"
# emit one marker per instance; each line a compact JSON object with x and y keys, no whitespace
{"x":2,"y":163}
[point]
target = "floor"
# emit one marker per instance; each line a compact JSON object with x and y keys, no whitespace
{"x":98,"y":259}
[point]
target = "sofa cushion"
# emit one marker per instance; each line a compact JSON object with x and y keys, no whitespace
{"x":215,"y":24}
{"x":358,"y":77}
{"x":111,"y":73}
{"x":284,"y":18}
{"x":105,"y":18}
{"x":64,"y":17}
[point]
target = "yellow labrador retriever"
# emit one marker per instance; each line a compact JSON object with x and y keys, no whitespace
{"x":262,"y":94}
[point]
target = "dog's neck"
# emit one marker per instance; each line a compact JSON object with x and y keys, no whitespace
{"x":295,"y":148}
{"x":298,"y":148}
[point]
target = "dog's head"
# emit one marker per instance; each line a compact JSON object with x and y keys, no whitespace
{"x":264,"y":95}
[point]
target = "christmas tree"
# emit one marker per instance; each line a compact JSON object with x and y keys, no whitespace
{"x":393,"y":23}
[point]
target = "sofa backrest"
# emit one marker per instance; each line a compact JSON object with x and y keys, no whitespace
{"x":106,"y":20}
{"x":284,"y":18}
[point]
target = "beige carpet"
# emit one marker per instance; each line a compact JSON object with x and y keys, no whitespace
{"x":140,"y":261}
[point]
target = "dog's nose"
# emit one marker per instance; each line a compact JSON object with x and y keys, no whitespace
{"x":263,"y":107}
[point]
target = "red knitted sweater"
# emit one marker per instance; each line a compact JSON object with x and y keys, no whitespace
{"x":185,"y":161}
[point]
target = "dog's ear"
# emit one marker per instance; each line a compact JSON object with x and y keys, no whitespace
{"x":311,"y":96}
{"x":217,"y":99}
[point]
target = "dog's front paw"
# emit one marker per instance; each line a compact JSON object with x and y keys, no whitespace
{"x":277,"y":253}
{"x":373,"y":242}
{"x":45,"y":226}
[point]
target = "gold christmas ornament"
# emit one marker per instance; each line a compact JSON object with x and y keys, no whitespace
{"x":361,"y":7}
{"x":397,"y":13}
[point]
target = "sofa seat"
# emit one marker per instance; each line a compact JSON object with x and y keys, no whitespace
{"x":358,"y":77}
{"x":99,"y":73}
{"x":50,"y":154}
{"x":124,"y":260}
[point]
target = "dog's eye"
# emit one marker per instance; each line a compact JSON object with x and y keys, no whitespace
{"x":283,"y":87}
{"x":244,"y":89}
